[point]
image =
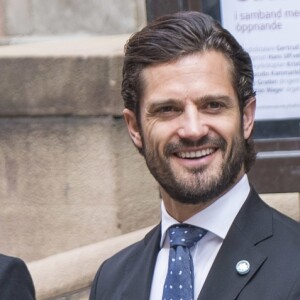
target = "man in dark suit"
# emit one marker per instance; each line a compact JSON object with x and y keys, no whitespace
{"x":189,"y":108}
{"x":15,"y":280}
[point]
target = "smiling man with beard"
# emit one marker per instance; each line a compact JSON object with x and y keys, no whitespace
{"x":189,"y":108}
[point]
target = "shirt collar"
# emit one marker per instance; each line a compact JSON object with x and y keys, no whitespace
{"x":217,"y":217}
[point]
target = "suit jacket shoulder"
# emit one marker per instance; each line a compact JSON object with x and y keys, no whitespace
{"x":270,"y":242}
{"x":15,"y":280}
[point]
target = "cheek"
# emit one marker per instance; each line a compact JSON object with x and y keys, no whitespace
{"x":156,"y":142}
{"x":230,"y":131}
{"x":158,"y":135}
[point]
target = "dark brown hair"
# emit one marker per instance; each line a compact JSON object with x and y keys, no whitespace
{"x":172,"y":36}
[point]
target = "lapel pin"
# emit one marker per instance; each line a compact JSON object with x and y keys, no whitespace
{"x":243,"y":267}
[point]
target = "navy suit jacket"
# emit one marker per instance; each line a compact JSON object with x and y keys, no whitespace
{"x":267,"y":239}
{"x":15,"y":280}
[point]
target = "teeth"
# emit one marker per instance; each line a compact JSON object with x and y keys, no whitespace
{"x":195,"y":154}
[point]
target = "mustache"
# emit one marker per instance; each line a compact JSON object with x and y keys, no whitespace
{"x":216,"y":142}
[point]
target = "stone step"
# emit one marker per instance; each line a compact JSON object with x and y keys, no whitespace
{"x":62,"y":76}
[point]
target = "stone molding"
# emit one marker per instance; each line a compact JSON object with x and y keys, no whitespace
{"x":74,"y":270}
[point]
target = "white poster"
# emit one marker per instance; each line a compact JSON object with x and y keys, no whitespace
{"x":270,"y":31}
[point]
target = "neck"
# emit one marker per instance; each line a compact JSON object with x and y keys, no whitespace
{"x":181,"y":211}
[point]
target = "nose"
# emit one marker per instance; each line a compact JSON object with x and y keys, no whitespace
{"x":192,"y":124}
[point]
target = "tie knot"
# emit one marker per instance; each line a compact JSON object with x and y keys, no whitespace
{"x":185,"y":235}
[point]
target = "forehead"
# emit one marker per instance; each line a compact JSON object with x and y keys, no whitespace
{"x":192,"y":75}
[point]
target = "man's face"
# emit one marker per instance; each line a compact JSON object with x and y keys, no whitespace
{"x":191,"y":129}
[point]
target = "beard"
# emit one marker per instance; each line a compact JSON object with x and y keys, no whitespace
{"x":202,"y":184}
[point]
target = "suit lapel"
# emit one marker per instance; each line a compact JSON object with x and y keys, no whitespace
{"x":252,"y":226}
{"x":140,"y":268}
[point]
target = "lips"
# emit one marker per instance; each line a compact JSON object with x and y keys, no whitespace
{"x":196,"y":154}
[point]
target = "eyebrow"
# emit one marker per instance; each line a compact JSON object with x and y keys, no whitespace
{"x":215,"y":98}
{"x":163,"y":102}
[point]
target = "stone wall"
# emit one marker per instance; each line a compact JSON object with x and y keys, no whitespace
{"x":69,"y":173}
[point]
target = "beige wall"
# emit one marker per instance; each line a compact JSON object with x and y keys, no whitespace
{"x":68,"y":182}
{"x":69,"y":175}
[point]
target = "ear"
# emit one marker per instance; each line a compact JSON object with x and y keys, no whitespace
{"x":133,"y":128}
{"x":248,"y":117}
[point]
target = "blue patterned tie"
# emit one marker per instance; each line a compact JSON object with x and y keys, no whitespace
{"x":179,"y":284}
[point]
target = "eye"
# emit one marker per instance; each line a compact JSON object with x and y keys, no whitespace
{"x":214,"y":105}
{"x":164,"y":110}
{"x":167,"y":109}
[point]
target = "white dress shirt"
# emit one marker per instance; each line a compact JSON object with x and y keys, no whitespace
{"x":216,"y":219}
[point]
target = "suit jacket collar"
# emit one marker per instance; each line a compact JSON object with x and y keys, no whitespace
{"x":252,"y":226}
